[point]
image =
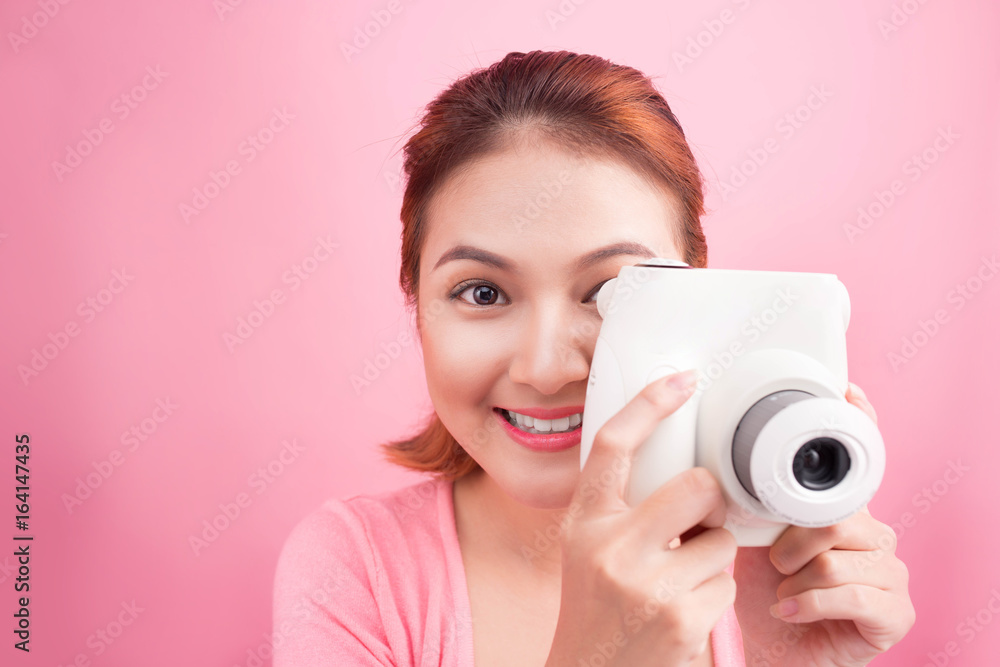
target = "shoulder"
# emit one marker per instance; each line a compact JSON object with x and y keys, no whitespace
{"x":344,"y":580}
{"x":361,"y":538}
{"x":376,"y":517}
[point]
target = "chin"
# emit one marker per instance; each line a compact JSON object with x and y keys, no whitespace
{"x":541,"y":489}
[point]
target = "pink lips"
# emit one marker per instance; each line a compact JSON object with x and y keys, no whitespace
{"x":542,"y":442}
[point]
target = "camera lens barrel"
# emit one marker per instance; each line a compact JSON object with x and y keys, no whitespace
{"x":750,"y":426}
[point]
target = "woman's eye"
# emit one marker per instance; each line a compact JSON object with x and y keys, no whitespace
{"x":593,"y":295}
{"x":484,"y":294}
{"x":481,"y":294}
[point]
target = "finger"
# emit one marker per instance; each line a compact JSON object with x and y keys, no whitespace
{"x":714,"y":596}
{"x":690,"y":498}
{"x":857,"y":391}
{"x":855,"y":396}
{"x":882,"y":618}
{"x":701,"y":558}
{"x":618,"y":439}
{"x":830,"y":569}
{"x":798,"y":545}
{"x":701,"y":608}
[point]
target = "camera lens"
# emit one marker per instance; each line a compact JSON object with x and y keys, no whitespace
{"x":821,"y":463}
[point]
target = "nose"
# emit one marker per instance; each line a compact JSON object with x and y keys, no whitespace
{"x":554,"y":348}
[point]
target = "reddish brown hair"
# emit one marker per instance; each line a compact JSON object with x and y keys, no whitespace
{"x":583,"y":102}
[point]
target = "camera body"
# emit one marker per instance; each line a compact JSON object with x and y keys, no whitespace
{"x":768,"y":418}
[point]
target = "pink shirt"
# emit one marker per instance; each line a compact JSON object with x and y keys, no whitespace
{"x":379,"y":580}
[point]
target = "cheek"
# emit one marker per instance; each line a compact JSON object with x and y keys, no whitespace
{"x":462,"y":362}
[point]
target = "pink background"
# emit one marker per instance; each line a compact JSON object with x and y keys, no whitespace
{"x":331,"y":172}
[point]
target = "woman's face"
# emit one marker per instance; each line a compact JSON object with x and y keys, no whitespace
{"x":517,"y":245}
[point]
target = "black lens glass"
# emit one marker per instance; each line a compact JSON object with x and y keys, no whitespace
{"x":821,"y":463}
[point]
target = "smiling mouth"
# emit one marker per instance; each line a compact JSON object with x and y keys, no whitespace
{"x":541,"y":426}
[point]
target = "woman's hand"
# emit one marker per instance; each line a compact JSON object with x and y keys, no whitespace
{"x":628,"y":599}
{"x":838,"y":594}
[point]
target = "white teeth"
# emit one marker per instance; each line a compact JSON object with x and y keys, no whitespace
{"x":534,"y":425}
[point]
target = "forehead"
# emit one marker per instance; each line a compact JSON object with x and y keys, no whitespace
{"x":539,"y":196}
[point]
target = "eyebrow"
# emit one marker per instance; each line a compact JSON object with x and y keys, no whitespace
{"x":504,"y":264}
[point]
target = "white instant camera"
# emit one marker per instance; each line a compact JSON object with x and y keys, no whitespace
{"x":768,"y":417}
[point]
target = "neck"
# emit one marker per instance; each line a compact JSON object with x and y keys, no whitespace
{"x":500,"y":529}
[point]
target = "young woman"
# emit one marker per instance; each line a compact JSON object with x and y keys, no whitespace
{"x":531,"y":183}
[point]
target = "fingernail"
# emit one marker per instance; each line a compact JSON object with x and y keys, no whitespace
{"x":684,"y":382}
{"x":785,"y":608}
